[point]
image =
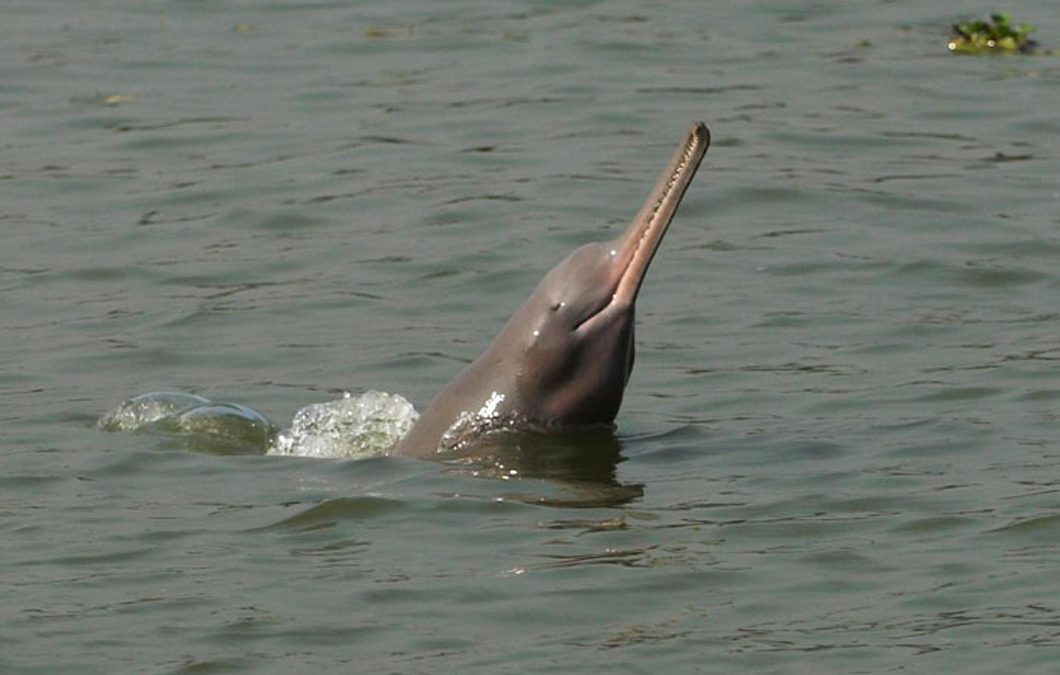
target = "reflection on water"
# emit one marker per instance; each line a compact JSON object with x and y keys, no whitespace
{"x":581,"y":464}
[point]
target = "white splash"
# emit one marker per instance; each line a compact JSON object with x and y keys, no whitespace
{"x":473,"y":423}
{"x":489,"y":408}
{"x":353,"y":427}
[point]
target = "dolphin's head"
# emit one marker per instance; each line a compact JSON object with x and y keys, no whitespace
{"x":564,"y":357}
{"x":579,"y":342}
{"x":577,"y":327}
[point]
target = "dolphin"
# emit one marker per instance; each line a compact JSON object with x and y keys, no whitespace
{"x":563,"y":359}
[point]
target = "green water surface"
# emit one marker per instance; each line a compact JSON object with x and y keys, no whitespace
{"x":839,"y":452}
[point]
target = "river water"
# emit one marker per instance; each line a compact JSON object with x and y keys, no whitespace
{"x":840,"y":450}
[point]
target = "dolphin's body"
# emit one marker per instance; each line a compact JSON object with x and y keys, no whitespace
{"x":564,"y":358}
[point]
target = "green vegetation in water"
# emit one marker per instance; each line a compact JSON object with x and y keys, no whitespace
{"x":384,"y":32}
{"x":996,"y":36}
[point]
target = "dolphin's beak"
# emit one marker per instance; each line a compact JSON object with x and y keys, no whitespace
{"x":636,"y":247}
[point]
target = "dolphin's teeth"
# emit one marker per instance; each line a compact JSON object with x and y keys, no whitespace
{"x":686,"y":156}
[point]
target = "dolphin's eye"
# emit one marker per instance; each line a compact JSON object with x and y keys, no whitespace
{"x":558,"y":305}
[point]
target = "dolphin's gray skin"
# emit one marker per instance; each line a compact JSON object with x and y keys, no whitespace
{"x":564,"y":358}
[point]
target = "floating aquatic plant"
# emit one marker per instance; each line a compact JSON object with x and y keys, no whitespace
{"x":997,"y":35}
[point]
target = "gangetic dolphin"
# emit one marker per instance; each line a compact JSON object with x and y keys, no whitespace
{"x":562,"y":361}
